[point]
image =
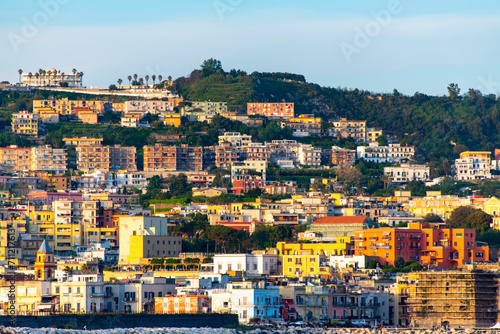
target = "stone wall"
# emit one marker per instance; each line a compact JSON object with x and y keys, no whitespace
{"x":106,"y":321}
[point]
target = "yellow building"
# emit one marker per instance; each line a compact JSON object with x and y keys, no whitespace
{"x":82,"y":141}
{"x":372,"y":134}
{"x":172,"y":119}
{"x":24,"y":123}
{"x":65,"y":106}
{"x":435,"y":203}
{"x":304,"y":259}
{"x":305,"y":119}
{"x":492,"y":207}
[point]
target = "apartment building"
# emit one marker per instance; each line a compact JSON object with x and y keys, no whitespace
{"x":343,"y":156}
{"x":310,"y":259}
{"x":235,"y":139}
{"x":173,"y":158}
{"x":250,"y":264}
{"x":129,"y":121}
{"x":406,"y":173}
{"x":66,"y":106}
{"x":172,"y":119}
{"x":257,"y":151}
{"x":24,"y":123}
{"x":372,"y":134}
{"x":226,"y":155}
{"x":210,"y":107}
{"x":46,"y":158}
{"x":13,"y":158}
{"x":345,"y":128}
{"x":473,"y":165}
{"x":309,"y":156}
{"x":434,"y":202}
{"x":152,"y":107}
{"x":180,"y":304}
{"x":105,"y":158}
{"x":393,"y":153}
{"x":422,"y":243}
{"x":271,"y":110}
{"x":255,"y":299}
{"x":304,"y":125}
{"x":51,"y":77}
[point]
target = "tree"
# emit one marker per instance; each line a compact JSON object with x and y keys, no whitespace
{"x":20,"y":71}
{"x":211,"y":66}
{"x":382,"y":140}
{"x":480,"y":221}
{"x":119,"y":82}
{"x":135,"y":76}
{"x":154,"y":79}
{"x":417,"y":188}
{"x":431,"y":218}
{"x":129,"y":80}
{"x":112,"y":87}
{"x":147,"y":79}
{"x":399,"y":262}
{"x":349,"y":175}
{"x":453,"y":91}
{"x":459,"y":217}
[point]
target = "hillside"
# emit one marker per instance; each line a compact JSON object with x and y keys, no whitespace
{"x":439,"y":126}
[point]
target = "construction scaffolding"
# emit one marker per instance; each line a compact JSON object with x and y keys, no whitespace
{"x":453,"y":298}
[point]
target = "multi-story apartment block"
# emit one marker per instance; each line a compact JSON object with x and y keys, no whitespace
{"x":93,"y":158}
{"x":122,"y":158}
{"x":173,"y":158}
{"x":24,"y":123}
{"x":345,"y":128}
{"x":182,"y":304}
{"x":406,"y":173}
{"x":13,"y":158}
{"x":340,"y":226}
{"x":453,"y":298}
{"x":257,"y":151}
{"x":473,"y":166}
{"x":46,"y":158}
{"x":129,"y":121}
{"x":271,"y":110}
{"x":65,"y":106}
{"x":211,"y":107}
{"x":80,"y":213}
{"x":235,"y":139}
{"x":104,"y":158}
{"x":255,"y":299}
{"x":343,"y":156}
{"x":310,"y":259}
{"x":152,"y":107}
{"x":394,"y":153}
{"x":309,"y":156}
{"x":304,"y":125}
{"x":51,"y":77}
{"x":434,"y":202}
{"x":425,"y":244}
{"x":226,"y":155}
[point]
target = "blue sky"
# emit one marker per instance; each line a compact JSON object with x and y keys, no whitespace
{"x":373,"y":45}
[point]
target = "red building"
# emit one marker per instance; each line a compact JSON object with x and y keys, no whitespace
{"x":244,"y":183}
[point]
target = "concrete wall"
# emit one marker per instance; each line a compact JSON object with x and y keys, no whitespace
{"x":105,"y":321}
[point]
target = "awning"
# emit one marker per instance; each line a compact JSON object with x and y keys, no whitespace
{"x":386,"y":233}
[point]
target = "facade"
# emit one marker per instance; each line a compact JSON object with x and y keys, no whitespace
{"x":147,"y":106}
{"x":345,"y":128}
{"x":434,"y":202}
{"x":189,"y":304}
{"x":146,"y":237}
{"x":394,"y":153}
{"x":251,"y":264}
{"x":473,"y":166}
{"x":209,"y":107}
{"x":13,"y":158}
{"x":406,"y":173}
{"x":173,"y":158}
{"x":424,"y":244}
{"x":309,"y":156}
{"x":453,"y":298}
{"x":251,"y":299}
{"x":24,"y":123}
{"x":235,"y":139}
{"x":52,"y":77}
{"x":82,"y":141}
{"x":93,"y":158}
{"x":304,"y":125}
{"x":343,"y":156}
{"x":122,"y":158}
{"x":271,"y":110}
{"x":46,"y":158}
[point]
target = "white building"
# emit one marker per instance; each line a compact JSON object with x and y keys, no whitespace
{"x":252,"y":299}
{"x":309,"y":156}
{"x":152,"y":107}
{"x":394,"y":153}
{"x":243,"y":168}
{"x":52,"y":77}
{"x":406,"y":173}
{"x":235,"y":139}
{"x":251,"y":264}
{"x":46,"y":158}
{"x":345,"y":261}
{"x":473,"y":166}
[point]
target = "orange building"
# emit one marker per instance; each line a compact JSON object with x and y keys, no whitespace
{"x":45,"y":264}
{"x":182,"y":304}
{"x":271,"y":110}
{"x":425,"y":244}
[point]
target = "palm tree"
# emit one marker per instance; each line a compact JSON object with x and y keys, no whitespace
{"x":159,"y":78}
{"x":147,"y":79}
{"x":169,"y":80}
{"x":141,"y":81}
{"x":30,"y":75}
{"x":20,"y":71}
{"x":74,"y":71}
{"x":37,"y":75}
{"x":135,"y":78}
{"x":119,"y":82}
{"x":129,"y":80}
{"x":81,"y":76}
{"x":154,"y":78}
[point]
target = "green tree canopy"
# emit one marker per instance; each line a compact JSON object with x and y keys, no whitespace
{"x":211,"y":66}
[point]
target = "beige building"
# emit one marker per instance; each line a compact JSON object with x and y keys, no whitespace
{"x":46,"y":158}
{"x":104,"y":158}
{"x":173,"y":158}
{"x":51,"y":77}
{"x":82,"y":141}
{"x":235,"y":139}
{"x":348,"y":128}
{"x":13,"y":158}
{"x":406,"y":173}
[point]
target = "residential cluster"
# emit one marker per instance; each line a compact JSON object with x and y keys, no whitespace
{"x":77,"y":236}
